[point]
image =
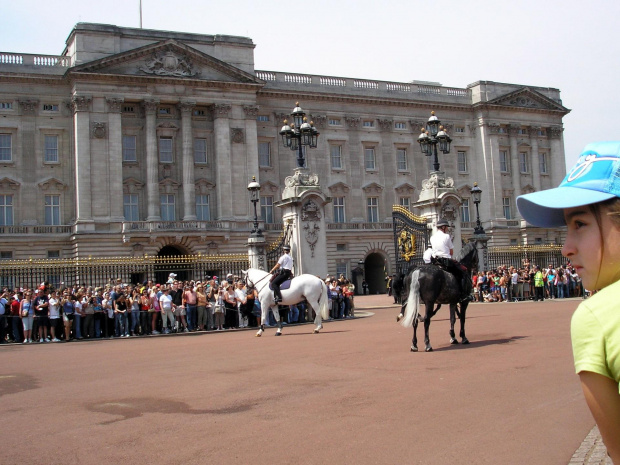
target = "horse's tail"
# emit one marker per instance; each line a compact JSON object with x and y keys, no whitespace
{"x":413,"y":301}
{"x":324,"y":301}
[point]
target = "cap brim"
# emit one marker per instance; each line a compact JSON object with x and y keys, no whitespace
{"x":546,"y":208}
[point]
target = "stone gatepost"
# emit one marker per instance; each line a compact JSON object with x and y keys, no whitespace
{"x":303,"y":205}
{"x":483,"y":252}
{"x":439,"y":199}
{"x":257,"y":252}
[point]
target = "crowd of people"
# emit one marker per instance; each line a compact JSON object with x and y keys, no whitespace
{"x":119,"y":310}
{"x":530,"y":282}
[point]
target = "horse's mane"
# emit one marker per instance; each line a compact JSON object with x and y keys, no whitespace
{"x":466,"y":255}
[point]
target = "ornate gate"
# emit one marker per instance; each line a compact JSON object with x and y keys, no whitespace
{"x":410,"y":238}
{"x":274,"y":250}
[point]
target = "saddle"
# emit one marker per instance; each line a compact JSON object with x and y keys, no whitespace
{"x":284,"y":286}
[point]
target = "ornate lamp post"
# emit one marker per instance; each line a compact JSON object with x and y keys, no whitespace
{"x":254,"y":189}
{"x":299,"y":134}
{"x":434,"y":134}
{"x":476,"y":194}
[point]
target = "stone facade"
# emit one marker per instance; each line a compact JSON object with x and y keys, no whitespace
{"x":118,"y":146}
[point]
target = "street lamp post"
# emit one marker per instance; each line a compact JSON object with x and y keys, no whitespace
{"x":476,"y":194}
{"x":434,"y":134}
{"x":299,"y":134}
{"x":254,"y":189}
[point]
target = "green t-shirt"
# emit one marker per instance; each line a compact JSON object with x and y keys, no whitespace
{"x":595,"y":332}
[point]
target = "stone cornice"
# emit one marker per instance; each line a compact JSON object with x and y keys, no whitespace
{"x":81,"y":102}
{"x":115,"y":105}
{"x":251,"y":111}
{"x":221,"y":110}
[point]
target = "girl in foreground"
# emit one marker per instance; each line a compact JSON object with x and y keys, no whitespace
{"x":588,"y":203}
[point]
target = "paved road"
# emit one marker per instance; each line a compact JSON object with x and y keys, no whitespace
{"x":352,"y":394}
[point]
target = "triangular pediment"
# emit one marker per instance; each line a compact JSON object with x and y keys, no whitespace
{"x":405,"y":188}
{"x":168,"y":59}
{"x":8,"y":183}
{"x":372,"y":188}
{"x":339,"y":188}
{"x":52,"y":184}
{"x":528,"y":98}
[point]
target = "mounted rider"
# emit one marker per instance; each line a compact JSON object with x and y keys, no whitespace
{"x":285,"y":265}
{"x":442,"y":246}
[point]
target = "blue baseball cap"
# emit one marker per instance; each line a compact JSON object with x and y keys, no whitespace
{"x":595,"y":178}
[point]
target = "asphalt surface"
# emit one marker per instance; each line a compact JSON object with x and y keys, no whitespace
{"x":352,"y":394}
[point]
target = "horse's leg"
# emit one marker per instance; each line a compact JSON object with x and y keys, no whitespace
{"x":464,"y":339}
{"x":414,"y":342}
{"x":318,"y":319}
{"x":276,"y":314}
{"x":402,"y":310}
{"x":427,"y":325}
{"x":264,"y":312}
{"x":452,"y":321}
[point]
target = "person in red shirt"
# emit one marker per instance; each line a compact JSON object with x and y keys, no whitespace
{"x":18,"y":328}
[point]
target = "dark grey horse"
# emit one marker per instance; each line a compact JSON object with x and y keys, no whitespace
{"x":432,"y":285}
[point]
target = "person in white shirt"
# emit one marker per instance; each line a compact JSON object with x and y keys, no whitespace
{"x":241,"y":296}
{"x":54,"y":309}
{"x":285,"y":265}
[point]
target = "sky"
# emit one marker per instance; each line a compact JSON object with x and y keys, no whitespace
{"x":569,"y":45}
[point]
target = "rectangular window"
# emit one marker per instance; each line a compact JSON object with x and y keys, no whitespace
{"x":405,"y":202}
{"x":129,"y":109}
{"x":51,"y":149}
{"x":6,"y":210}
{"x":52,"y":210}
{"x":513,"y":242}
{"x":129,"y":149}
{"x":372,"y":208}
{"x":167,"y":207}
{"x":459,"y":129}
{"x":336,"y":156}
{"x":465,"y":211}
{"x":368,"y":124}
{"x":369,"y":158}
{"x":264,"y":154}
{"x":543,"y":163}
{"x":506,"y":206}
{"x":401,"y":159}
{"x":165,"y":150}
{"x":130,"y":207}
{"x":6,"y":255}
{"x":522,"y":131}
{"x":335,"y":122}
{"x":501,"y":130}
{"x":200,"y":150}
{"x":503,"y":161}
{"x":339,"y":214}
{"x":53,"y":254}
{"x":462,"y":162}
{"x":5,"y":147}
{"x":165,"y":111}
{"x":523,"y":163}
{"x":266,"y":209}
{"x":341,"y":247}
{"x":50,"y":107}
{"x":203,"y":211}
{"x":400,"y":125}
{"x":262,"y":118}
{"x":6,"y":105}
{"x":199,"y":112}
{"x":341,"y":269}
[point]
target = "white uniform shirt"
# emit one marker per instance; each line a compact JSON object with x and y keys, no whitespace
{"x":286,"y":262}
{"x":441,"y":244}
{"x":428,"y":254}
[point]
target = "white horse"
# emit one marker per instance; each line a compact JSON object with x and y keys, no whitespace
{"x":305,"y":286}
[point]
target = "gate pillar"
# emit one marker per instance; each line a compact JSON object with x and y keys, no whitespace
{"x":303,"y":205}
{"x":257,"y":252}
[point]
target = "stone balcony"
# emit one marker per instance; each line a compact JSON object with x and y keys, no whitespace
{"x":176,"y":226}
{"x":35,"y":230}
{"x":40,"y":64}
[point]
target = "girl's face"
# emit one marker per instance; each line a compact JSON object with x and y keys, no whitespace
{"x":597,"y":265}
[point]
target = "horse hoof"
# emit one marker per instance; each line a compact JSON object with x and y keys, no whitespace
{"x":258,"y":335}
{"x":453,"y":341}
{"x":465,"y":340}
{"x":317,"y":329}
{"x":278,"y":334}
{"x":414,"y":349}
{"x":399,"y":317}
{"x":429,"y":349}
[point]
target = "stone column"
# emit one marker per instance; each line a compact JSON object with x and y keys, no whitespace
{"x":27,"y":132}
{"x":189,"y":188}
{"x":514,"y":163}
{"x":557,"y":165}
{"x":115,"y":152}
{"x":483,"y":252}
{"x":152,"y":162}
{"x":257,"y":252}
{"x":81,"y":123}
{"x":535,"y":157}
{"x":222,"y":159}
{"x":251,"y":140}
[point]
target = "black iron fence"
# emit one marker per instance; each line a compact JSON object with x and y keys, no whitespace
{"x":520,"y":256}
{"x":101,"y":271}
{"x":410,"y":238}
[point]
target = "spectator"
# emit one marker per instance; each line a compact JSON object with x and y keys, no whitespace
{"x":26,"y":311}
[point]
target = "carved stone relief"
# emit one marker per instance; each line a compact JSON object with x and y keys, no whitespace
{"x":169,"y":63}
{"x":251,"y":111}
{"x":385,"y":124}
{"x":98,"y":130}
{"x":237,"y":135}
{"x":29,"y":107}
{"x":311,"y":216}
{"x":81,"y":103}
{"x":114,"y":104}
{"x":221,"y":110}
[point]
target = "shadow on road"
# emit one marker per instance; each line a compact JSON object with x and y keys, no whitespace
{"x":484,"y":343}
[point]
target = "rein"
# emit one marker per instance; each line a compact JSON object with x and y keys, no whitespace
{"x":268,"y":274}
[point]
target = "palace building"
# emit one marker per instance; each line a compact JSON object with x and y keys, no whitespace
{"x":136,"y":141}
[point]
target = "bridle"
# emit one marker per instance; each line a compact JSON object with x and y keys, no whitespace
{"x":255,"y":283}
